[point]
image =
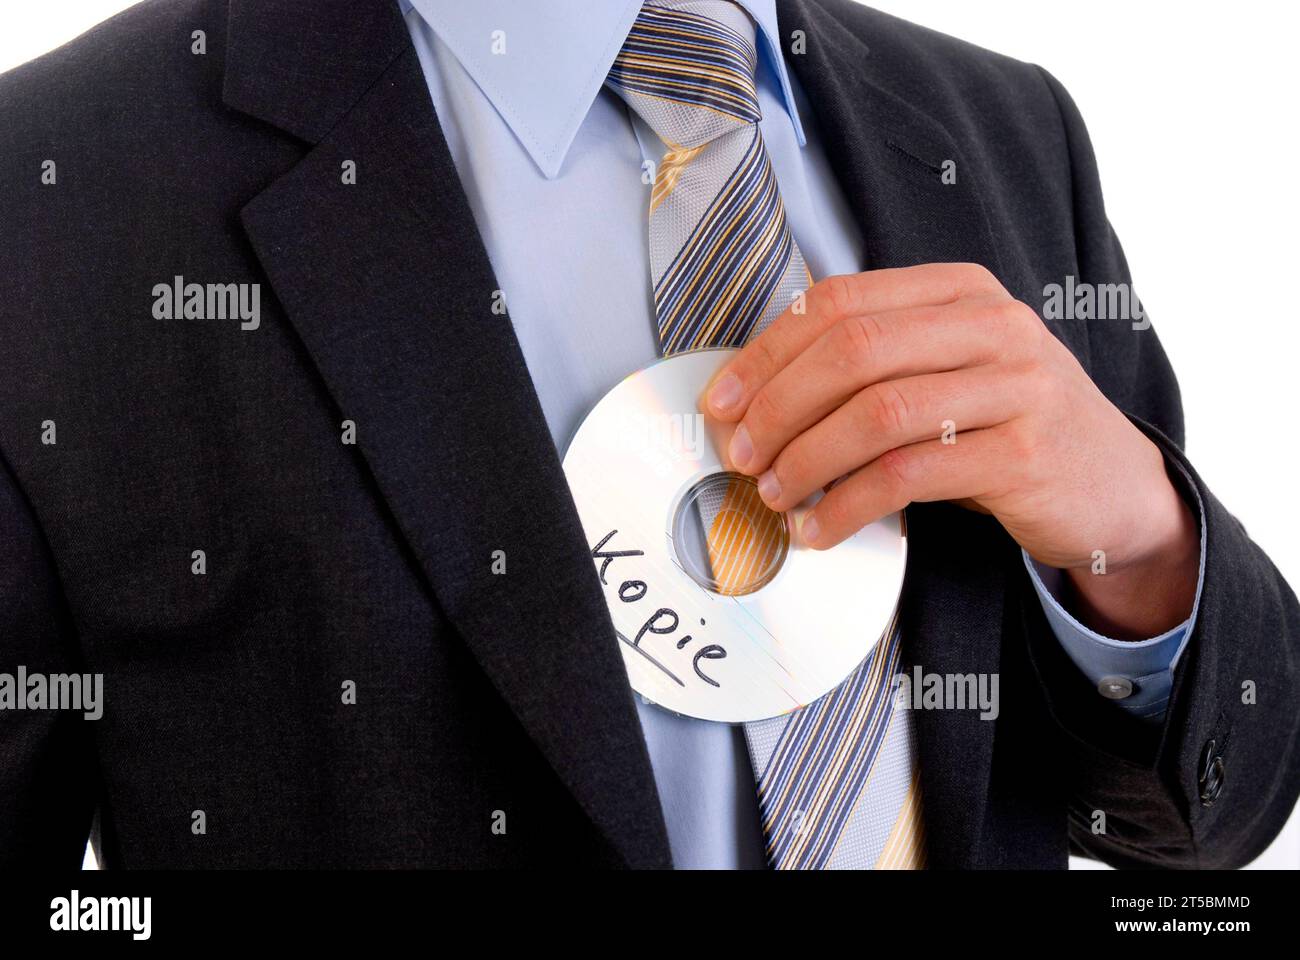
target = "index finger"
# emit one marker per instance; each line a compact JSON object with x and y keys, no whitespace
{"x":825,"y":304}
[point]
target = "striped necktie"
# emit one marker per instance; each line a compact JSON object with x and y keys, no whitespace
{"x":836,"y":780}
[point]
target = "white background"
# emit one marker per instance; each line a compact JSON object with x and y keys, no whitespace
{"x":1191,"y":108}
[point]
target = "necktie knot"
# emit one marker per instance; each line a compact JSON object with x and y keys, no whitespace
{"x":687,"y":69}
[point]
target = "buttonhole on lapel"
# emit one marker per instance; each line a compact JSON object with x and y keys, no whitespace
{"x":899,"y":148}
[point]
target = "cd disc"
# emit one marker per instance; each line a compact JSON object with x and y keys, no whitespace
{"x":721,"y":612}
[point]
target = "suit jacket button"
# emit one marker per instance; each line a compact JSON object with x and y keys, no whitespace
{"x":1115,"y":688}
{"x":1211,"y":780}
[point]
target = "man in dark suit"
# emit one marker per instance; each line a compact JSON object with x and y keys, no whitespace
{"x":264,"y":435}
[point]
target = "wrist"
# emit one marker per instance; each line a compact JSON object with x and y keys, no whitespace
{"x":1152,"y":586}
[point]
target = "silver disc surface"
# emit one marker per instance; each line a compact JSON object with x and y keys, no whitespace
{"x":634,"y":460}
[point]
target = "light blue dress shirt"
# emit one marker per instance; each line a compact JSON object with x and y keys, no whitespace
{"x":556,"y":171}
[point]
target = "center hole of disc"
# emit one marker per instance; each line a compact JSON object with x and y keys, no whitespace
{"x":726,"y":539}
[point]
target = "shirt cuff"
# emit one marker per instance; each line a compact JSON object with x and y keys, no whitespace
{"x":1137,"y":675}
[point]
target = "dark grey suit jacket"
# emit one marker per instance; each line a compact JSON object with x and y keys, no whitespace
{"x":329,"y":563}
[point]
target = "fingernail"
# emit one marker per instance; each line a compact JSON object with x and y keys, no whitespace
{"x":742,"y":448}
{"x":725,"y":394}
{"x":809,"y":529}
{"x":769,"y":487}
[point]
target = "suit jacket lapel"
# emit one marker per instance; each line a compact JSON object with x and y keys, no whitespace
{"x":888,"y":157}
{"x":388,"y":285}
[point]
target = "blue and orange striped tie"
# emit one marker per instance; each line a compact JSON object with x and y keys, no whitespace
{"x":836,"y":780}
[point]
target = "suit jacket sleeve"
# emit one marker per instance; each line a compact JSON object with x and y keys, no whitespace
{"x":1214,"y":783}
{"x":47,"y":789}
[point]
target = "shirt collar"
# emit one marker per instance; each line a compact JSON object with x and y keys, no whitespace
{"x":556,"y":57}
